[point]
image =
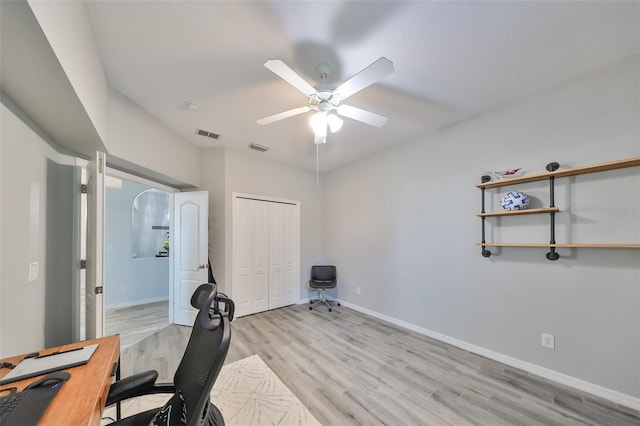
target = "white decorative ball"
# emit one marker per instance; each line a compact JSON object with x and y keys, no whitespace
{"x":515,"y":201}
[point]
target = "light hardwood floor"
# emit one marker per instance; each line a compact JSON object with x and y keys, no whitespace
{"x":348,"y":368}
{"x":134,"y":323}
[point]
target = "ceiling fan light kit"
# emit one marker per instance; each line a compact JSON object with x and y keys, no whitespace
{"x":326,"y":99}
{"x":321,"y":120}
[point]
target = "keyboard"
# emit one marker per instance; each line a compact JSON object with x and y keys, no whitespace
{"x":8,"y":403}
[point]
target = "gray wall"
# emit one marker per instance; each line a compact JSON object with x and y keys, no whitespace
{"x":212,"y":174}
{"x":401,"y":225}
{"x":146,"y":279}
{"x":227,"y":171}
{"x":36,"y":224}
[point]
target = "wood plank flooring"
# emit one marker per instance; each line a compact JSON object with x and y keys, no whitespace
{"x":134,"y":323}
{"x":348,"y":368}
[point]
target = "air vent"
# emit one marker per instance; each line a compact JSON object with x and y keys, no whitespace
{"x":257,"y":147}
{"x":207,"y":134}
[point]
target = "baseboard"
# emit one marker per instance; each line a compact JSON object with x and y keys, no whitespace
{"x":582,"y":385}
{"x":135,"y":302}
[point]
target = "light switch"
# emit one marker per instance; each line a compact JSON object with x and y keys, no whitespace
{"x":34,"y":271}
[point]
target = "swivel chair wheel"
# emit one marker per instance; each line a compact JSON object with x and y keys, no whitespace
{"x":329,"y":309}
{"x":338,"y":303}
{"x":310,"y":307}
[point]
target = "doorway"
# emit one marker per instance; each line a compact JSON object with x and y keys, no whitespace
{"x":137,"y":257}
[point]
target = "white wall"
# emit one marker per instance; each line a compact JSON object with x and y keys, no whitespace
{"x":36,"y":226}
{"x":68,"y":29}
{"x":401,"y":225}
{"x":212,"y":176}
{"x":248,"y":173}
{"x":146,"y":279}
{"x":148,"y":146}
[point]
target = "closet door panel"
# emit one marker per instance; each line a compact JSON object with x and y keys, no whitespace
{"x":275,"y":255}
{"x":260,"y":256}
{"x":243,"y":257}
{"x":289,"y":254}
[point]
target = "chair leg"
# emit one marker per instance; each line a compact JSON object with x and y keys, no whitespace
{"x":322,"y":300}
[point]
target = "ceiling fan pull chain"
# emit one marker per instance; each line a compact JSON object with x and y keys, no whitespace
{"x":317,"y":166}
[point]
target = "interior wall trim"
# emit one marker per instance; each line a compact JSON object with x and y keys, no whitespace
{"x":138,"y":179}
{"x":582,"y":385}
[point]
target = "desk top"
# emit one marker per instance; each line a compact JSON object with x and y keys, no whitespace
{"x":81,"y":399}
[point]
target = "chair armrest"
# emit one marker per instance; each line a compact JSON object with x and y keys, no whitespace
{"x":129,"y":387}
{"x":161,"y":388}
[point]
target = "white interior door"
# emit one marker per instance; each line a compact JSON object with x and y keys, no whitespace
{"x":94,"y":298}
{"x":189,"y":252}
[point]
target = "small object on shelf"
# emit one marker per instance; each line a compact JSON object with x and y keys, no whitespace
{"x":487,"y":176}
{"x":515,"y":201}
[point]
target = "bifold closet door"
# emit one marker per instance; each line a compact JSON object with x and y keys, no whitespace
{"x":251,"y":256}
{"x":276,"y":255}
{"x":290,"y":238}
{"x":265,"y":255}
{"x":283,"y":227}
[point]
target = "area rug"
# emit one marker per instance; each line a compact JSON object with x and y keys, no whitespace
{"x":247,"y":392}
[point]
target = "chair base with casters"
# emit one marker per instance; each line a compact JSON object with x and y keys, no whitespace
{"x":322,"y":300}
{"x":323,"y":278}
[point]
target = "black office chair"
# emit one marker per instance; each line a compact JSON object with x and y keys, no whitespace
{"x":200,"y":365}
{"x":323,"y":278}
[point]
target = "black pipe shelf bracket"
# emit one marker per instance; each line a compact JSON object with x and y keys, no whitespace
{"x":485,"y":252}
{"x":552,"y":255}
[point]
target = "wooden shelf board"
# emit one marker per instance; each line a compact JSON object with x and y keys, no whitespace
{"x":619,"y":246}
{"x":520,"y":212}
{"x":600,"y":167}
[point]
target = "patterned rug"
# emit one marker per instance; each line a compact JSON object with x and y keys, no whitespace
{"x":247,"y":393}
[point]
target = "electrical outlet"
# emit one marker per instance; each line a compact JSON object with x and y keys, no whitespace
{"x":358,"y":291}
{"x":34,"y":271}
{"x":548,"y":341}
{"x":123,"y":288}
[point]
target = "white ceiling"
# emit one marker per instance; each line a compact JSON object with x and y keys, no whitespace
{"x":453,"y":60}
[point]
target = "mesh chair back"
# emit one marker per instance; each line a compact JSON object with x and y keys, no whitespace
{"x":204,"y":355}
{"x":323,"y":273}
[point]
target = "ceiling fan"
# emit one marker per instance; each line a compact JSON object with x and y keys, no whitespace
{"x":326,"y":98}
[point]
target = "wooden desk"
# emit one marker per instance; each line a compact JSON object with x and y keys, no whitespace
{"x":81,"y":399}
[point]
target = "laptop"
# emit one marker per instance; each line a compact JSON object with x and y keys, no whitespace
{"x":31,"y":367}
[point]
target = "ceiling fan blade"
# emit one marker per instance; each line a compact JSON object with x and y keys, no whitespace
{"x":282,"y":115}
{"x":290,"y":76}
{"x":371,"y":74}
{"x":362,"y":115}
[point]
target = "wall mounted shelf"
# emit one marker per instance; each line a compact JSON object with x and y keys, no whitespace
{"x":520,"y":212}
{"x":551,"y":175}
{"x":582,"y":170}
{"x":576,"y":245}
